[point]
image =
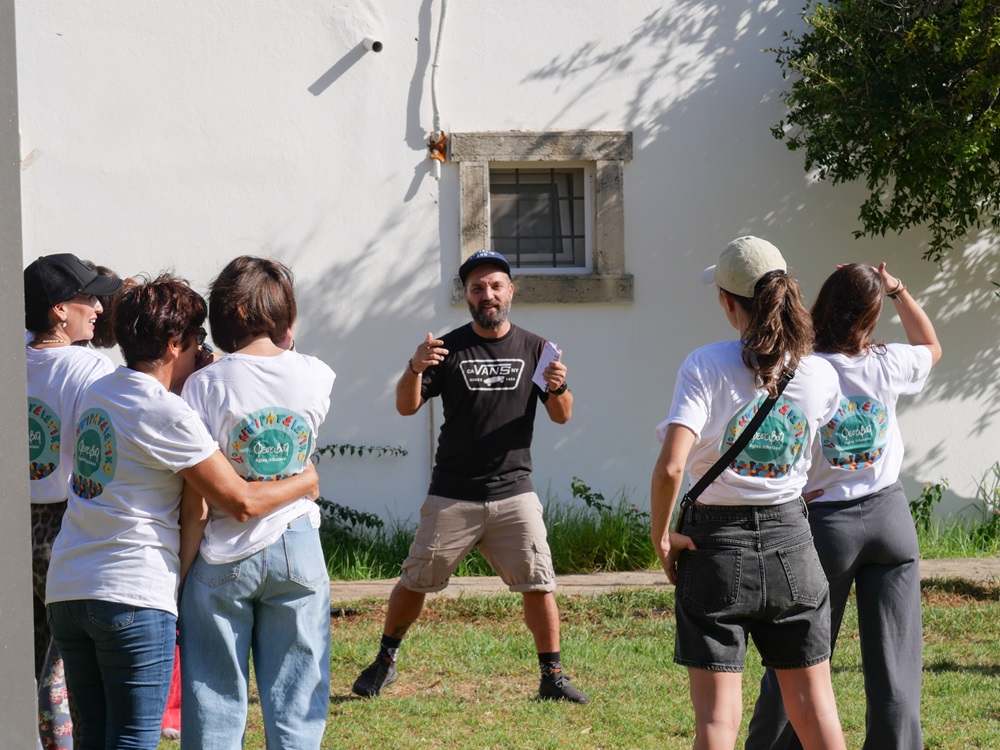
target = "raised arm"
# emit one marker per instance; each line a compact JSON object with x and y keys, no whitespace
{"x":216,"y":481}
{"x":430,"y":353}
{"x":917,"y":325}
{"x":668,"y":473}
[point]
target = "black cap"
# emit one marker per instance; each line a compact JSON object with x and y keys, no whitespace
{"x":56,"y":278}
{"x":483,"y":258}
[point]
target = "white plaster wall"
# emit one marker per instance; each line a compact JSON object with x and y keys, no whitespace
{"x":182,"y":134}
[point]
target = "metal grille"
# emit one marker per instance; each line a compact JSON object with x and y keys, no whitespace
{"x":537,"y":216}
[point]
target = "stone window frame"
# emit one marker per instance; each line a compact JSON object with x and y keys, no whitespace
{"x":607,"y":150}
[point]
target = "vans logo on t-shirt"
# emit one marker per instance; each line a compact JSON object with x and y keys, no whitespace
{"x":96,"y":454}
{"x":43,"y":439}
{"x":492,"y":374}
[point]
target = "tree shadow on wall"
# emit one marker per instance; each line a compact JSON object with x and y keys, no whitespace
{"x":688,"y":68}
{"x":961,"y":299}
{"x":363,"y":312}
{"x":702,"y":98}
{"x":690,"y":42}
{"x":366,"y":292}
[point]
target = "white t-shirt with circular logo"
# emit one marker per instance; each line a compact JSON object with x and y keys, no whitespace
{"x":120,"y":536}
{"x":716,"y":396}
{"x":860,"y":450}
{"x":264,"y":413}
{"x":57,"y":378}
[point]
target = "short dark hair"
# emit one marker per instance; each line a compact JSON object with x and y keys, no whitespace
{"x":847,"y":308}
{"x":251,"y":296}
{"x":151,"y":314}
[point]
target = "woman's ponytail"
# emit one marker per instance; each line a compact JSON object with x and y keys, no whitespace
{"x":780,"y":330}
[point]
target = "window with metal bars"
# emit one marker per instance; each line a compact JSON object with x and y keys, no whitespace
{"x":553,"y":203}
{"x":538,"y":217}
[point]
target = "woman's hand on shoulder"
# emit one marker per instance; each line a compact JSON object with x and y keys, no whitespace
{"x":669,"y":550}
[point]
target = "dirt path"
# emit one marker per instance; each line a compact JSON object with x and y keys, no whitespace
{"x":973,"y":569}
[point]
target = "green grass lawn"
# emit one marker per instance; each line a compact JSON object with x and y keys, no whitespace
{"x":468,"y":674}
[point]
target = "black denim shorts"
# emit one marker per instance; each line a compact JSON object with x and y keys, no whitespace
{"x":755,"y":572}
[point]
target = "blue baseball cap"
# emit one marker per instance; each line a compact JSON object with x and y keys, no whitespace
{"x":483,"y":258}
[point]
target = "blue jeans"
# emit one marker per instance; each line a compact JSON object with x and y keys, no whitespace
{"x":118,"y":660}
{"x":275,"y":604}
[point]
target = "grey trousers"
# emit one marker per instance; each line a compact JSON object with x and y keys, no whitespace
{"x":870,"y":542}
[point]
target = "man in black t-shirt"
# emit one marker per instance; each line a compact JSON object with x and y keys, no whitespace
{"x":481,"y":494}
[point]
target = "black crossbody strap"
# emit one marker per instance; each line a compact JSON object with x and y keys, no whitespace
{"x":745,"y":437}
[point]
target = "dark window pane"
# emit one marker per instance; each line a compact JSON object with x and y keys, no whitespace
{"x":537,"y":216}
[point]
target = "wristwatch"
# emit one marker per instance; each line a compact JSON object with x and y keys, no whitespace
{"x":560,"y":390}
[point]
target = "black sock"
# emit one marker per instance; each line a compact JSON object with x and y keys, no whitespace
{"x":390,"y":646}
{"x":549,"y":662}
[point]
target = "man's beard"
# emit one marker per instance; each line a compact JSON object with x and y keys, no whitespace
{"x":491,"y":317}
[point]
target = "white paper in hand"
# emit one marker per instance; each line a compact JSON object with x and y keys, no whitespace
{"x":550,"y":354}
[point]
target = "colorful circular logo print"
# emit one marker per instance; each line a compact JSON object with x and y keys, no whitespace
{"x":856,"y":436}
{"x":44,"y":440}
{"x":270,"y":444}
{"x":96,"y":455}
{"x":776,"y":446}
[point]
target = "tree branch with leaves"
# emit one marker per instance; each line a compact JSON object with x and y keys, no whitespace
{"x":902,"y":95}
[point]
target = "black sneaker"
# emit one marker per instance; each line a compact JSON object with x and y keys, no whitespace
{"x":379,"y":674}
{"x":555,"y":686}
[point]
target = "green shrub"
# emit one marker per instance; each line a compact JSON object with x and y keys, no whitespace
{"x":978,"y":536}
{"x":599,"y":535}
{"x":361,"y":546}
{"x":358,"y":545}
{"x":922,"y":508}
{"x":988,"y":491}
{"x":350,"y":449}
{"x":987,"y":531}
